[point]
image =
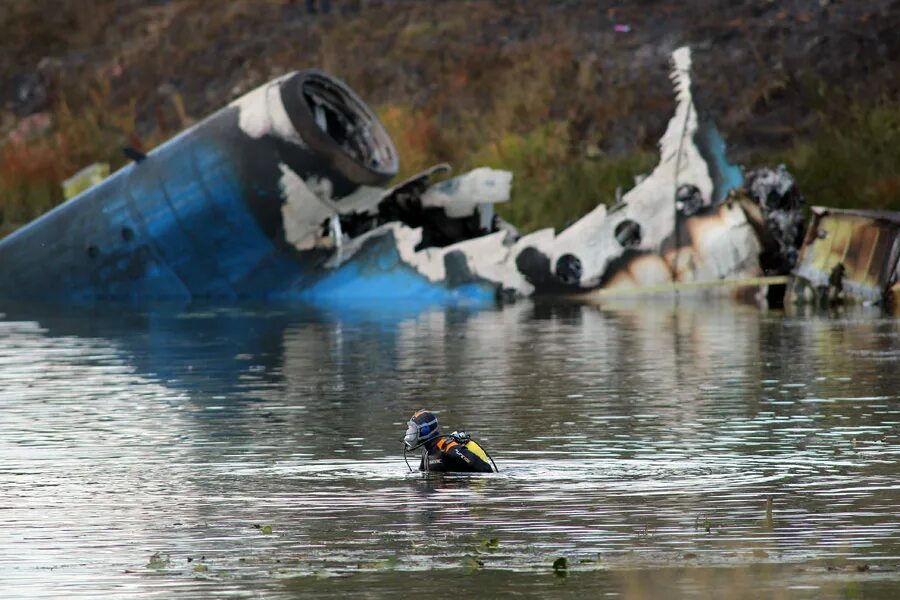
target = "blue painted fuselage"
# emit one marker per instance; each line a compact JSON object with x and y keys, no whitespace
{"x":200,"y":217}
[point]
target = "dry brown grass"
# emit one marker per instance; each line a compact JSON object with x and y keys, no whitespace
{"x":510,"y":84}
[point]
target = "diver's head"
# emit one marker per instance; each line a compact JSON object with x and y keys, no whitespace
{"x":422,"y":427}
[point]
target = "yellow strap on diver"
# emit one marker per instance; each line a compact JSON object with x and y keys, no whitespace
{"x":476,"y":450}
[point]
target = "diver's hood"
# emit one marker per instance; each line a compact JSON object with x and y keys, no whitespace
{"x":418,"y":431}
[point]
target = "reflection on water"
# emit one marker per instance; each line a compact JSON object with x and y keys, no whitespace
{"x":641,"y":440}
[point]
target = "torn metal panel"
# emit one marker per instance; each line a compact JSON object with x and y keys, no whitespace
{"x":461,"y":196}
{"x":892,"y":298}
{"x":447,"y":212}
{"x":774,"y":205}
{"x":848,"y":255}
{"x":682,"y":223}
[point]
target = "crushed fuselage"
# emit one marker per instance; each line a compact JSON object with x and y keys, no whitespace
{"x":280,"y":195}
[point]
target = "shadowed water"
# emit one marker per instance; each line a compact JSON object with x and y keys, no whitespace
{"x":144,"y":453}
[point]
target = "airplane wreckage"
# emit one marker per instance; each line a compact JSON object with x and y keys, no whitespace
{"x":280,"y":195}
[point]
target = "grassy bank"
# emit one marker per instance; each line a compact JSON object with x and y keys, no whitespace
{"x":850,"y":161}
{"x":546,"y":90}
{"x":46,"y":149}
{"x":853,"y":159}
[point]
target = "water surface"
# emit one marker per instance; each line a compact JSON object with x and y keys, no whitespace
{"x":144,"y":452}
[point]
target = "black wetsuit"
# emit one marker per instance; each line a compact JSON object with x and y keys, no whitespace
{"x":447,"y":455}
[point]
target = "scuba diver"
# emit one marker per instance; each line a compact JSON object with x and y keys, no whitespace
{"x":453,"y":453}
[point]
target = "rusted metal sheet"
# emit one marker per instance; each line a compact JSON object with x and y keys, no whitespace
{"x":848,"y":255}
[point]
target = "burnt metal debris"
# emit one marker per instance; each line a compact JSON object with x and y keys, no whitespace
{"x":281,"y":195}
{"x":849,"y":255}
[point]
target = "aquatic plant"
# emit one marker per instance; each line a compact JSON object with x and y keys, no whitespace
{"x":158,"y":561}
{"x":264,"y":529}
{"x":769,"y":522}
{"x":561,"y":566}
{"x":489,"y":544}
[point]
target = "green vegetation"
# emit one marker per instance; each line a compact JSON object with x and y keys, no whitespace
{"x":36,"y":159}
{"x":264,"y":529}
{"x":158,"y":561}
{"x":491,"y":544}
{"x":561,"y":566}
{"x":852,"y":160}
{"x":554,"y":183}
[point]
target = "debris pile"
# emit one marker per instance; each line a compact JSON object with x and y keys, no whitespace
{"x":776,"y":193}
{"x":281,"y":195}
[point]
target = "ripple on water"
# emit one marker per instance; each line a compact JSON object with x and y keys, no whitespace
{"x":633,"y":439}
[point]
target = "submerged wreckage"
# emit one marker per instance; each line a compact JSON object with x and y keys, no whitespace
{"x":281,"y":195}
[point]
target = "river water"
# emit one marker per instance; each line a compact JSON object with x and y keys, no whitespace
{"x":663,"y":449}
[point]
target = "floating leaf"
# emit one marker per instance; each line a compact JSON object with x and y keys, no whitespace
{"x":491,"y":544}
{"x":770,"y":522}
{"x":201,"y":568}
{"x":157,"y":561}
{"x":561,"y":566}
{"x":470,"y":562}
{"x":266,"y":529}
{"x":388,"y":565}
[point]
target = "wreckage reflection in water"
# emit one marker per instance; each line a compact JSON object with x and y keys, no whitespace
{"x":643,"y":436}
